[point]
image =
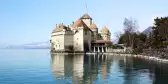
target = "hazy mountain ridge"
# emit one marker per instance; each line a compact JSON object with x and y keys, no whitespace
{"x":147,"y":31}
{"x":2,"y":45}
{"x":35,"y":45}
{"x":47,"y":45}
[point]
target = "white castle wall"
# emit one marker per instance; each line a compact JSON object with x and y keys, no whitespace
{"x":88,"y":38}
{"x":58,"y":40}
{"x":68,"y":39}
{"x":78,"y":40}
{"x":62,"y":39}
{"x":95,"y":30}
{"x":88,"y":22}
{"x":105,"y":36}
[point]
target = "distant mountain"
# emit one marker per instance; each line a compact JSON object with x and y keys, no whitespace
{"x":147,"y":31}
{"x":38,"y":45}
{"x":2,"y":45}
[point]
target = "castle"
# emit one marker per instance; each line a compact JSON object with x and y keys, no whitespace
{"x":81,"y":36}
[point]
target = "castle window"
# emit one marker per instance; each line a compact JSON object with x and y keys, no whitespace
{"x":77,"y":38}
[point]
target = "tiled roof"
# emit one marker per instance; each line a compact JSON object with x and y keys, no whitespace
{"x":59,"y":27}
{"x":86,"y":16}
{"x":102,"y":41}
{"x":93,"y":26}
{"x":79,"y":23}
{"x":105,"y":30}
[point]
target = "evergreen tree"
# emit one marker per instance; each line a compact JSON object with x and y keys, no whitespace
{"x":160,"y":32}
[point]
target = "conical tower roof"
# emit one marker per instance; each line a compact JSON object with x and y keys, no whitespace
{"x":86,"y":16}
{"x":105,"y":30}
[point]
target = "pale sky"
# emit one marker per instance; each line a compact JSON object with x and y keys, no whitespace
{"x":27,"y":21}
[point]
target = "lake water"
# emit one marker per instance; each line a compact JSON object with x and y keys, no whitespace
{"x":41,"y":67}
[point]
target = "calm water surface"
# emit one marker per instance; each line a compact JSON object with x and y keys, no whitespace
{"x":41,"y":67}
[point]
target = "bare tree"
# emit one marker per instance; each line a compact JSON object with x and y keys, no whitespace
{"x":130,"y":28}
{"x":118,"y":34}
{"x":130,"y":25}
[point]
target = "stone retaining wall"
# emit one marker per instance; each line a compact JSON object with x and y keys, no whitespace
{"x":161,"y":53}
{"x":54,"y":51}
{"x":128,"y":51}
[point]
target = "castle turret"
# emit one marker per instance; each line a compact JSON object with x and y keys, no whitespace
{"x":82,"y":36}
{"x":86,"y":19}
{"x":105,"y":33}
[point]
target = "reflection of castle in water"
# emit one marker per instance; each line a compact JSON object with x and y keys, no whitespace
{"x":67,"y":66}
{"x":59,"y":65}
{"x":81,"y":68}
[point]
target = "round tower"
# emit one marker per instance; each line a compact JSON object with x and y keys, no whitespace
{"x":105,"y":33}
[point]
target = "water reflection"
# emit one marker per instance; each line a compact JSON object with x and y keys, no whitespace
{"x":93,"y":69}
{"x":157,"y":72}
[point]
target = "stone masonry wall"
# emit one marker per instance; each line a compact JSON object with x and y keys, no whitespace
{"x":161,"y":53}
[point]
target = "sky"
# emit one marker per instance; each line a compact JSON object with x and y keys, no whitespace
{"x":27,"y":21}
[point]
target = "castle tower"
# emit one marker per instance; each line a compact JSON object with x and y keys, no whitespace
{"x":82,"y":36}
{"x":62,"y":38}
{"x":94,"y":28}
{"x":105,"y":33}
{"x":86,"y":19}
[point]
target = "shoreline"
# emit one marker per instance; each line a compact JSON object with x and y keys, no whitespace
{"x":152,"y":58}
